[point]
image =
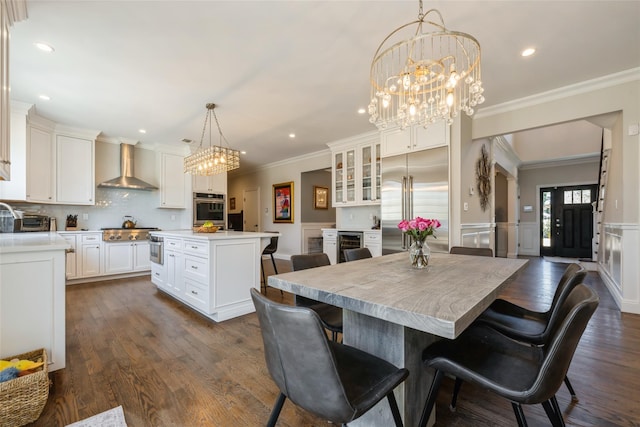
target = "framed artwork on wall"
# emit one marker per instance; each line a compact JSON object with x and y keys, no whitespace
{"x":232,"y":204}
{"x":283,"y":202}
{"x":320,"y":197}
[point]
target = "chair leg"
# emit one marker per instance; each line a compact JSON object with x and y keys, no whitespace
{"x":394,"y":409}
{"x":454,"y":397}
{"x":517,"y":409}
{"x":574,"y":396}
{"x":275,"y":270}
{"x":553,"y":414}
{"x":431,"y":398}
{"x":263,"y":285}
{"x":556,"y":408}
{"x":275,"y":412}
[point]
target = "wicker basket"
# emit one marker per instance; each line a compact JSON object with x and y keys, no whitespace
{"x":22,"y":399}
{"x":205,"y":229}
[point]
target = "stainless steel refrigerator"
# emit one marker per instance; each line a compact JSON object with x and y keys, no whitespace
{"x":415,"y":184}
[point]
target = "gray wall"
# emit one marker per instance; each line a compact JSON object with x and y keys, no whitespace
{"x":320,"y":178}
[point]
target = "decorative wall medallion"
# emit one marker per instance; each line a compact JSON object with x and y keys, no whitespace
{"x":483,"y":178}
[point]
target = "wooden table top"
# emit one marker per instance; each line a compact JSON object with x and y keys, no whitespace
{"x":442,"y":300}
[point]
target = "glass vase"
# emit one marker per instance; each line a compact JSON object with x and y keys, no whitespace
{"x":419,"y":254}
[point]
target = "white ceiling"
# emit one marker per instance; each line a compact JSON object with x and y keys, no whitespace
{"x":276,"y":67}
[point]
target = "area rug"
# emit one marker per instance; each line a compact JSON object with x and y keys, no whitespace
{"x":587,"y":264}
{"x":111,"y":418}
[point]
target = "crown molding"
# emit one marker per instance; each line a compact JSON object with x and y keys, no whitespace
{"x":586,"y":86}
{"x":567,"y":161}
{"x":16,"y":10}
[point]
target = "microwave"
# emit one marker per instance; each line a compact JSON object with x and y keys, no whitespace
{"x":34,"y":222}
{"x":209,"y":207}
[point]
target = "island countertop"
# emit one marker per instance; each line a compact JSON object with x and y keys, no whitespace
{"x":219,"y":235}
{"x":31,"y":242}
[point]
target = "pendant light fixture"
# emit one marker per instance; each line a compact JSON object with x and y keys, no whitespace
{"x":429,"y":77}
{"x":215,"y":159}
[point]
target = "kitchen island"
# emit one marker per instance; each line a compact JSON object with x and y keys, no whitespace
{"x":211,"y":272}
{"x":32,"y":295}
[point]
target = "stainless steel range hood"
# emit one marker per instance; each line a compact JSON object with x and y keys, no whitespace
{"x":126,"y":178}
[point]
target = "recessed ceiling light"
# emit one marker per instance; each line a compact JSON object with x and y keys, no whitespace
{"x":142,"y":130}
{"x":528,"y":51}
{"x":361,"y":111}
{"x":44,"y":97}
{"x":44,"y":47}
{"x":243,"y":152}
{"x":292,"y":135}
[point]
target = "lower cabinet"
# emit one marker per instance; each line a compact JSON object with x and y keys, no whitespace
{"x":71,"y":265}
{"x":126,"y":257}
{"x":373,"y":241}
{"x":330,"y":244}
{"x":91,"y":250}
{"x":211,"y":276}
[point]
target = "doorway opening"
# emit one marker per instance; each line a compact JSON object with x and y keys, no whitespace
{"x":566,"y":221}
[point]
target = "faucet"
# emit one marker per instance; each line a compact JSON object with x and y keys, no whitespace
{"x":10,"y":209}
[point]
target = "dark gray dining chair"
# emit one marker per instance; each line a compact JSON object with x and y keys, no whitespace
{"x":334,"y":381}
{"x":464,"y":250}
{"x":356,"y":254}
{"x":519,"y":372}
{"x":330,"y":315}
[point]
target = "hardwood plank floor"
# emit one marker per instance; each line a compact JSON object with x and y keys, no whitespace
{"x":129,"y":344}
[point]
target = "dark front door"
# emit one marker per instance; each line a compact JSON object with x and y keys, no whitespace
{"x":567,"y":221}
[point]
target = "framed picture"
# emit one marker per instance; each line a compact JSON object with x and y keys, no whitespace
{"x":320,"y":197}
{"x":232,"y":204}
{"x":283,"y":202}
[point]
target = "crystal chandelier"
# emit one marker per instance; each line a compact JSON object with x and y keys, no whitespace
{"x":215,"y":159}
{"x":427,"y":78}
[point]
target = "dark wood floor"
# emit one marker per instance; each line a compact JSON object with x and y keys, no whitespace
{"x":130,"y":345}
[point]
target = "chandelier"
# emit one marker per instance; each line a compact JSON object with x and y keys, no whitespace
{"x":427,"y":78}
{"x":215,"y":159}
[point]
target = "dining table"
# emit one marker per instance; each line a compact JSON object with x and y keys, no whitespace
{"x":395,"y":311}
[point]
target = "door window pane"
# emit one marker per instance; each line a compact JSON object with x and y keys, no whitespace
{"x":586,"y":196}
{"x":577,"y":197}
{"x":568,"y":197}
{"x":546,"y":218}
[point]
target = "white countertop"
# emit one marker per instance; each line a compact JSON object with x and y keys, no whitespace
{"x":219,"y":235}
{"x":31,"y":242}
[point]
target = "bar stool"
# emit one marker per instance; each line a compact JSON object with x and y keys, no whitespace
{"x":271,"y":248}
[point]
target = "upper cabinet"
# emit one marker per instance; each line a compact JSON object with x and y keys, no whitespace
{"x":75,"y":171}
{"x":210,"y":184}
{"x":50,"y":163}
{"x":416,"y":138}
{"x":356,"y":170}
{"x":172,"y":181}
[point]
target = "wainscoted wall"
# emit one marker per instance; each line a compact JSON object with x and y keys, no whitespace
{"x":476,"y":235}
{"x":529,"y":239}
{"x":619,"y":266}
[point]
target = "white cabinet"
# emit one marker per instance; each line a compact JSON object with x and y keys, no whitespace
{"x":5,"y":116}
{"x":356,"y":171}
{"x":118,"y":257}
{"x":71,"y":256}
{"x":172,"y":181}
{"x":40,"y":166}
{"x":91,"y":250}
{"x":159,"y":274}
{"x":141,"y":256}
{"x":330,"y":244}
{"x":373,"y":241}
{"x":173,"y":260}
{"x":210,"y":184}
{"x":126,"y":257}
{"x":75,"y":170}
{"x":415,"y":138}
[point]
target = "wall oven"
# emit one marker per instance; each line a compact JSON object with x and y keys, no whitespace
{"x":348,"y":240}
{"x":209,"y":207}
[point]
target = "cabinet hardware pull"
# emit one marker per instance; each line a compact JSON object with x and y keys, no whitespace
{"x":194,"y":292}
{"x":194,"y":267}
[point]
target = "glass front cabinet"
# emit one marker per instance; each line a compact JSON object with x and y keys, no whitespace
{"x":356,"y":171}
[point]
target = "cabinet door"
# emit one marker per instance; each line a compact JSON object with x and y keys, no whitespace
{"x":91,"y":257}
{"x":330,"y":244}
{"x":118,"y":257}
{"x":159,"y":274}
{"x":395,"y":141}
{"x":71,"y":257}
{"x":40,"y":176}
{"x":173,"y":261}
{"x":210,"y":184}
{"x":369,"y":162}
{"x":344,"y":177}
{"x":4,"y":99}
{"x":436,"y":135}
{"x":75,"y":178}
{"x":141,"y":256}
{"x":172,"y":181}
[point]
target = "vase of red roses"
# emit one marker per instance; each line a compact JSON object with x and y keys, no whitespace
{"x":419,"y":229}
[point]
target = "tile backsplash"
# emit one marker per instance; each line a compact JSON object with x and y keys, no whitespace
{"x":113,"y":204}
